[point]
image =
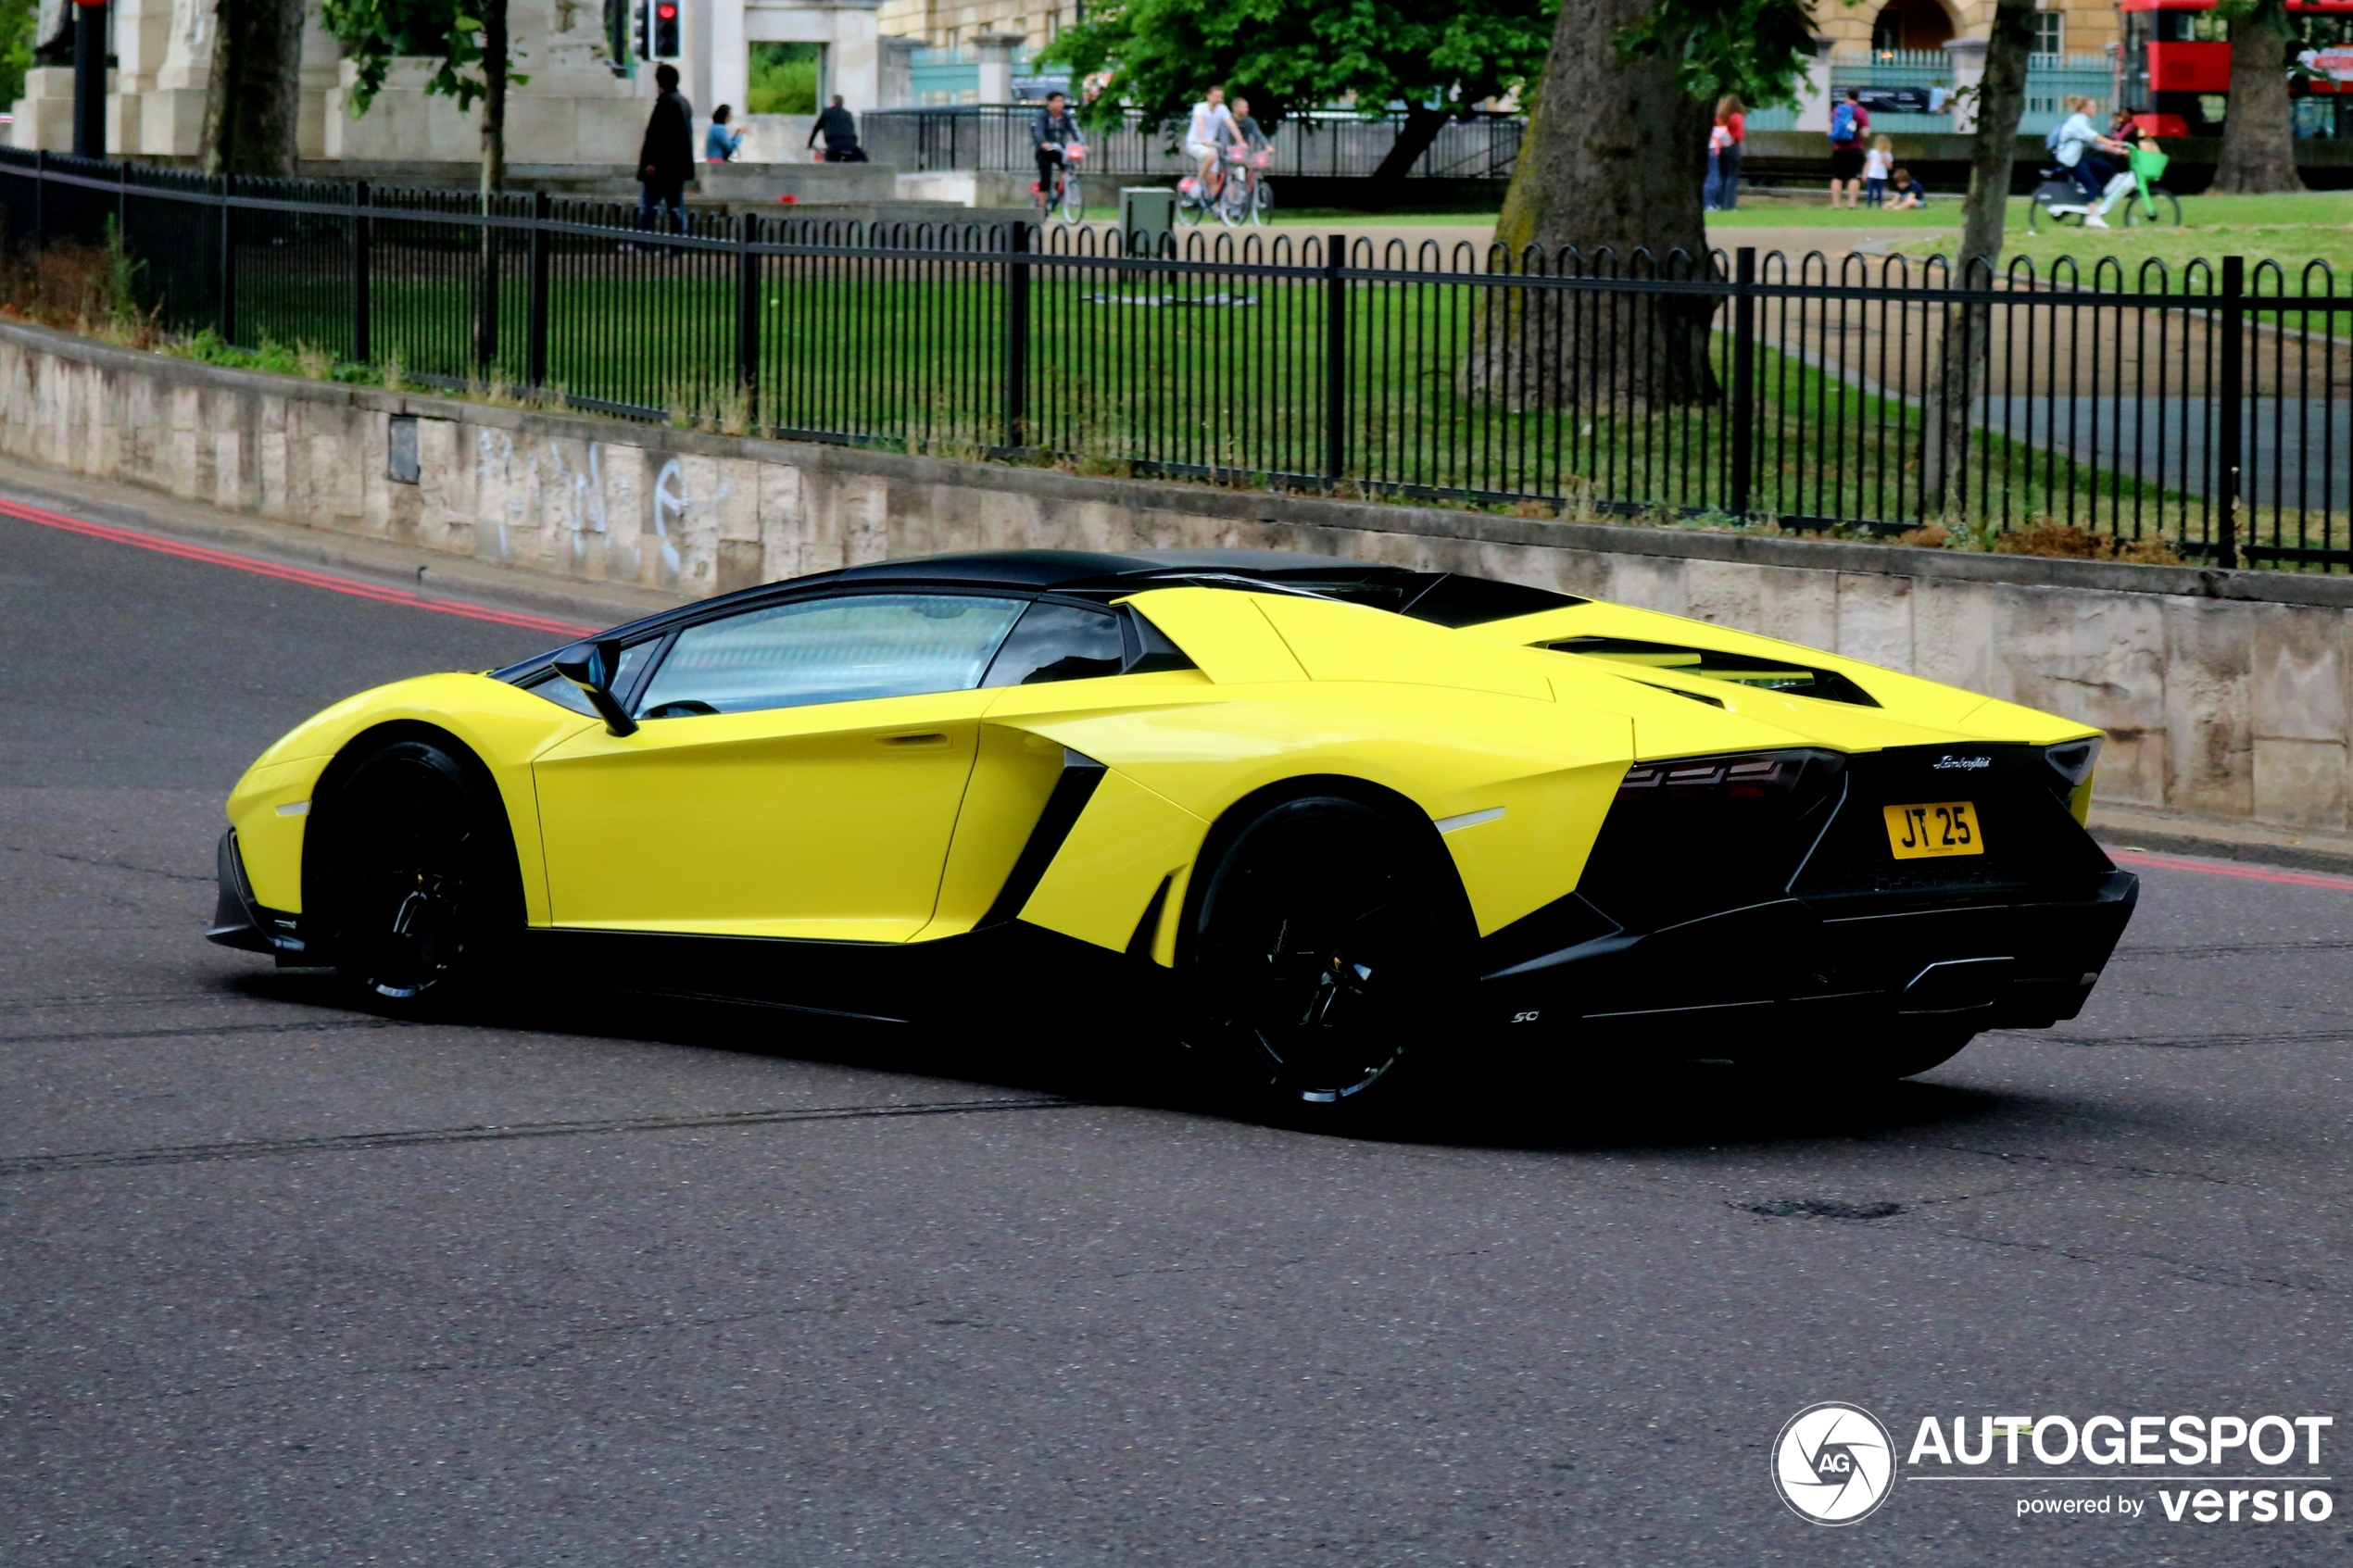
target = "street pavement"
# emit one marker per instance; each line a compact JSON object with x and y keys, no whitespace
{"x":585,"y":1281}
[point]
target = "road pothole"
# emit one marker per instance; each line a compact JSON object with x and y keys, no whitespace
{"x":1821,"y":1208}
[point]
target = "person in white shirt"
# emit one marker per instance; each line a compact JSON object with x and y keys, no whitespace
{"x":2077,"y":145}
{"x":1211,"y":125}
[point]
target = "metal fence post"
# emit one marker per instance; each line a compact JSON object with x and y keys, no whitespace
{"x":2232,"y":398}
{"x":1743,"y":376}
{"x":535,"y":353}
{"x":228,"y":259}
{"x":363,"y":311}
{"x":1335,"y":359}
{"x":123,"y":205}
{"x":41,"y":200}
{"x":1017,"y":335}
{"x":748,"y":317}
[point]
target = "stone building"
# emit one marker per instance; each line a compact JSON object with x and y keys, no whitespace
{"x":2066,"y":27}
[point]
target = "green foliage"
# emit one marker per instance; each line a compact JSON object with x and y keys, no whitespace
{"x":17,"y":18}
{"x":378,"y":32}
{"x":784,"y":79}
{"x":1755,"y":48}
{"x":1293,"y":55}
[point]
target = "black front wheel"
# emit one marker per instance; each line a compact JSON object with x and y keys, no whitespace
{"x":1322,"y":951}
{"x":2162,"y":208}
{"x":420,"y":881}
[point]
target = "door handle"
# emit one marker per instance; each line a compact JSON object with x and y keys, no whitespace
{"x":923,"y":738}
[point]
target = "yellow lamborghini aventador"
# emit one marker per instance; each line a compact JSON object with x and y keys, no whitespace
{"x":1326,"y":820}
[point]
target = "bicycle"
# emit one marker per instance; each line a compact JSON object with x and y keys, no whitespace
{"x":1066,"y":196}
{"x":2058,"y":199}
{"x":1245,"y":196}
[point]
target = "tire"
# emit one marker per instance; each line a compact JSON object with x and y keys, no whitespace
{"x":419,"y":885}
{"x":1322,"y":949}
{"x":1230,"y":199}
{"x":2169,"y":209}
{"x":1191,"y":209}
{"x":1074,"y":201}
{"x":1262,"y":202}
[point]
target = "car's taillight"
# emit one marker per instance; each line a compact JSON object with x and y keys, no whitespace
{"x":1737,"y":778}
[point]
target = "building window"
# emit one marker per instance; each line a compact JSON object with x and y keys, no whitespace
{"x":2050,"y":35}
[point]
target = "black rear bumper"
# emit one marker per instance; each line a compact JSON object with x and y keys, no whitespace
{"x":1748,"y":981}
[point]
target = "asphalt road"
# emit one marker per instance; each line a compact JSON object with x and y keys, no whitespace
{"x":282,"y":1283}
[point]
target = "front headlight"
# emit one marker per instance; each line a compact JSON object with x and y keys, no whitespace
{"x":2073,"y":761}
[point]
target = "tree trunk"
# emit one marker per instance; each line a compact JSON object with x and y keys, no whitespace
{"x":2259,"y":138}
{"x":1960,"y":375}
{"x":1414,"y":138}
{"x":1611,"y":163}
{"x":254,"y":106}
{"x":494,"y":179}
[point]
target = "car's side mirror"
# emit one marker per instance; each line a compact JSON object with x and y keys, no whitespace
{"x":590,"y":667}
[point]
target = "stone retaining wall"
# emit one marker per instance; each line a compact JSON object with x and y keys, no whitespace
{"x":2225,"y":694}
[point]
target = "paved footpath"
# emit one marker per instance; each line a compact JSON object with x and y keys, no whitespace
{"x":285,"y":1284}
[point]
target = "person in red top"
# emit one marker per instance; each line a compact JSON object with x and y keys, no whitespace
{"x":1723,"y":163}
{"x":1850,"y":124}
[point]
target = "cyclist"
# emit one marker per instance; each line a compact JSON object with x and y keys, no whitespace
{"x":1210,"y":125}
{"x":1052,"y":131}
{"x":2079,"y":145}
{"x":1244,"y":133}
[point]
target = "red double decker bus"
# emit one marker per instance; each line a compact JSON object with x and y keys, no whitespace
{"x":2177,"y":66}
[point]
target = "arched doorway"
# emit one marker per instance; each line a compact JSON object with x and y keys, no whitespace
{"x":1910,"y":24}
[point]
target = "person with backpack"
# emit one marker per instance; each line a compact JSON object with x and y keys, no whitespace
{"x":1850,"y":123}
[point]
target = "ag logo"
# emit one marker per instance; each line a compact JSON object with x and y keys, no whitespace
{"x":1832,"y":1463}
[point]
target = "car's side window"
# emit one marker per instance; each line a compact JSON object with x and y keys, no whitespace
{"x":839,"y":650}
{"x":563,"y":693}
{"x":1059,"y":642}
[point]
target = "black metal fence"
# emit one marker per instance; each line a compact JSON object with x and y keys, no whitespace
{"x":997,"y":139}
{"x":2209,"y":407}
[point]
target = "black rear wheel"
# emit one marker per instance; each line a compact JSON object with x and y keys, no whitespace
{"x":420,"y":884}
{"x":1322,"y":949}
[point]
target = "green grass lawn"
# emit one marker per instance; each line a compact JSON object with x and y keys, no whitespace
{"x":2290,"y":230}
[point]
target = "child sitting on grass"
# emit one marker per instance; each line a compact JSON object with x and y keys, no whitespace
{"x":1904,"y":191}
{"x":1875,"y":166}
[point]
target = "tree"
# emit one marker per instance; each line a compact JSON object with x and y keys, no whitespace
{"x":1967,"y":335}
{"x":254,"y":106}
{"x":1440,"y":58}
{"x":1610,"y":161}
{"x":474,"y":62}
{"x":2259,"y":139}
{"x":18,"y":20}
{"x":469,"y":42}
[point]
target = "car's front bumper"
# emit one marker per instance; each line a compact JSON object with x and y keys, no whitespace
{"x":1751,"y":982}
{"x":240,"y":921}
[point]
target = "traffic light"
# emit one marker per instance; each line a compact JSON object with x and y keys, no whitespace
{"x":665,"y":30}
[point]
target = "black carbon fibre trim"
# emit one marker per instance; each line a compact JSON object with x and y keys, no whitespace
{"x":1072,"y":791}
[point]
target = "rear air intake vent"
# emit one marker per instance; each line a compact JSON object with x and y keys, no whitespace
{"x":1737,"y":669}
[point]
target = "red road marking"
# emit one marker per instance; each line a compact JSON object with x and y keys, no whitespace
{"x":2150,"y":860}
{"x":333,"y":584}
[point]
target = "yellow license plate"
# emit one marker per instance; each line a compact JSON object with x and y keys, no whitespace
{"x":1948,"y":827}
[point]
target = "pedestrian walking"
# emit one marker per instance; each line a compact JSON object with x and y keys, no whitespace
{"x":840,"y":127}
{"x":1849,"y":123}
{"x":1720,"y":147}
{"x":1732,"y":115}
{"x":666,"y":157}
